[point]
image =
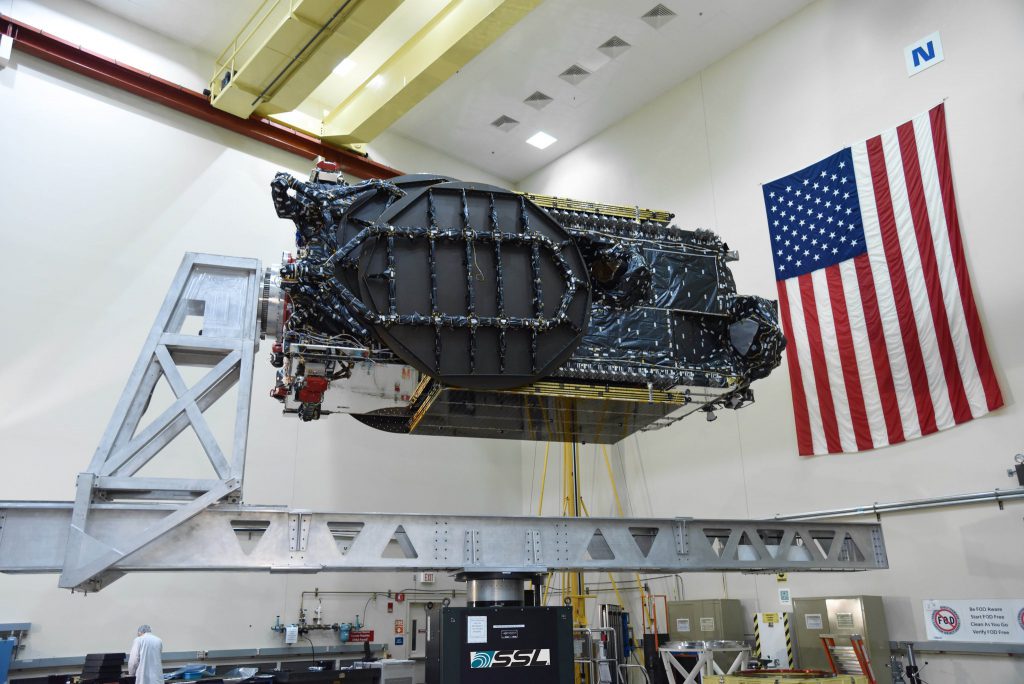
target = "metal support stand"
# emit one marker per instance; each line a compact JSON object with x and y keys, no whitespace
{"x":222,"y":293}
{"x":577,"y":588}
{"x":912,"y":670}
{"x":705,"y":667}
{"x":122,"y":522}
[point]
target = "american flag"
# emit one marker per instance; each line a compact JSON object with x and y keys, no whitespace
{"x":885,"y":342}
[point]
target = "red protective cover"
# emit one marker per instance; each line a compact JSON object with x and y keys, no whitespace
{"x":314,"y":390}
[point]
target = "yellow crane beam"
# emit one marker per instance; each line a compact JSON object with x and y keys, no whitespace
{"x":345,"y":70}
{"x":460,"y":31}
{"x":287,"y":48}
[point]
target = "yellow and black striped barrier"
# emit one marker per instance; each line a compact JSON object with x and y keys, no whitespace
{"x":789,"y":640}
{"x":769,"y":640}
{"x":757,"y":636}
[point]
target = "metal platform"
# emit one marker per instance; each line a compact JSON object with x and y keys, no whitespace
{"x":120,"y":522}
{"x":208,"y":320}
{"x":254,"y":538}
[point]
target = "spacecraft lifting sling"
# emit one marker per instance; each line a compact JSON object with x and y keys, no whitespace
{"x":431,"y":306}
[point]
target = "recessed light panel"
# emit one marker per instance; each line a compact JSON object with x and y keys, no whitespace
{"x":541,"y":140}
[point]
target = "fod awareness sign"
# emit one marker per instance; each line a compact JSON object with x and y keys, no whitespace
{"x":991,"y":621}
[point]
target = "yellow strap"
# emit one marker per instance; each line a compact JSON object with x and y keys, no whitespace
{"x":618,"y":507}
{"x":611,"y":479}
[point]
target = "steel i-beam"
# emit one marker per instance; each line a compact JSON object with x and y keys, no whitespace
{"x":270,"y":539}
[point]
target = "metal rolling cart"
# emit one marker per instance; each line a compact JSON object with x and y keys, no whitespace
{"x":587,"y":653}
{"x":619,"y":644}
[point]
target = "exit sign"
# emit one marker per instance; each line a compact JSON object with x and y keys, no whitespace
{"x":925,"y":53}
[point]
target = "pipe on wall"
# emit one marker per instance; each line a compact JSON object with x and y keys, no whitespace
{"x":996,"y":496}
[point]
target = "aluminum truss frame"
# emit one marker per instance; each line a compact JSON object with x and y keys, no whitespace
{"x":222,"y":293}
{"x":123,"y":522}
{"x":272,"y":539}
{"x":705,"y":666}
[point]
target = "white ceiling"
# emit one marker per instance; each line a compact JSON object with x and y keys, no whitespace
{"x":206,"y":25}
{"x":456,"y":117}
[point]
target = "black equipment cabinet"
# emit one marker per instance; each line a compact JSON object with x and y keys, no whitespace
{"x":499,"y":645}
{"x":655,"y":665}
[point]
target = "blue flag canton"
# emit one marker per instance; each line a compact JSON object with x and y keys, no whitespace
{"x":814,"y":217}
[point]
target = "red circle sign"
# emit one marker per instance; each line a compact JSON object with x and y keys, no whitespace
{"x":1020,"y":618}
{"x":946,"y":620}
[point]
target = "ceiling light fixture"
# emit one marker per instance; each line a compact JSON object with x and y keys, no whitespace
{"x":541,"y":140}
{"x":658,"y":16}
{"x":344,"y":66}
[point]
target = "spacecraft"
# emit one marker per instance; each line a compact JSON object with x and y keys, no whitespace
{"x":427,"y":305}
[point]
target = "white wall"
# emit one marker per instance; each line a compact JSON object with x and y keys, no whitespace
{"x":100,"y":195}
{"x":831,"y":75}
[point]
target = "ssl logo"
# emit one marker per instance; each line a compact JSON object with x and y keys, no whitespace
{"x":516,"y":658}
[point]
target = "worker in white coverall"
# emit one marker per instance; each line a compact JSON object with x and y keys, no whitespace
{"x":145,"y":659}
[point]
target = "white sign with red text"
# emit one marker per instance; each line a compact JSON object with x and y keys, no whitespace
{"x":999,"y":621}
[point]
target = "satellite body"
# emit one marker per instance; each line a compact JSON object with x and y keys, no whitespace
{"x":426,"y":305}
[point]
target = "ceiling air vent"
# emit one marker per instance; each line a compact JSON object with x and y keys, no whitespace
{"x":504,"y":123}
{"x":574,"y":74}
{"x":613,"y":47}
{"x":658,"y":16}
{"x":538,"y":100}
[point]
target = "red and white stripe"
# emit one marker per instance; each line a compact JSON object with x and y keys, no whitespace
{"x":888,"y":346}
